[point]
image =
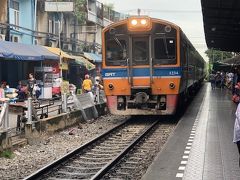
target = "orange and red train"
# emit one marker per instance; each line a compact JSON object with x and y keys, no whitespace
{"x":149,"y":66}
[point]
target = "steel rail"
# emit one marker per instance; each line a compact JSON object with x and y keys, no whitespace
{"x":39,"y":173}
{"x":108,"y":166}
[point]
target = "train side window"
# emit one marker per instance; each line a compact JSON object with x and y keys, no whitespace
{"x":165,"y":51}
{"x":116,"y":52}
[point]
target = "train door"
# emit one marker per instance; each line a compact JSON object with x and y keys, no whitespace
{"x":185,"y":65}
{"x":140,"y":72}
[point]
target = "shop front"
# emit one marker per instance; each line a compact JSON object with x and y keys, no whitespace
{"x":18,"y":60}
{"x":78,"y":69}
{"x":60,"y":70}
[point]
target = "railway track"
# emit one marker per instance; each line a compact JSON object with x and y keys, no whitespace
{"x":135,"y":163}
{"x":95,"y":159}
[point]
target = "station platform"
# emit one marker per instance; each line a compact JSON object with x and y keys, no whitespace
{"x":201,"y":147}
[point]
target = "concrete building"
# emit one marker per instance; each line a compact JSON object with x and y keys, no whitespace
{"x":22,"y":20}
{"x":3,"y":20}
{"x":80,"y":30}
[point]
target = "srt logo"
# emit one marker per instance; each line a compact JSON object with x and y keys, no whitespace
{"x":110,"y":74}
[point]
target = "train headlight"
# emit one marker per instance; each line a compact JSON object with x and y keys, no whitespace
{"x":171,"y":85}
{"x":134,"y":22}
{"x":143,"y":21}
{"x":139,"y":23}
{"x":110,"y":86}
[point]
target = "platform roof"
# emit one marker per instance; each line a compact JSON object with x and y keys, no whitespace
{"x":221,"y":20}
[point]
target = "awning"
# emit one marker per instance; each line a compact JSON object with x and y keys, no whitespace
{"x":220,"y":66}
{"x":83,"y":61}
{"x":233,"y":61}
{"x":25,"y":52}
{"x":57,"y":51}
{"x":93,"y":57}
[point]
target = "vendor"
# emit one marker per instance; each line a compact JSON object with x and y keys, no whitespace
{"x":4,"y":85}
{"x":22,"y":91}
{"x":31,"y":83}
{"x":2,"y":88}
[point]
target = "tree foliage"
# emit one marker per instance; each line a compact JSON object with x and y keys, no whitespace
{"x":80,"y":10}
{"x":110,"y":5}
{"x":216,"y":55}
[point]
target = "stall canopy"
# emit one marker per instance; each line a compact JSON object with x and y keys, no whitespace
{"x":227,"y":64}
{"x":233,"y":61}
{"x":59,"y":52}
{"x":25,"y":52}
{"x":97,"y":58}
{"x":84,"y":62}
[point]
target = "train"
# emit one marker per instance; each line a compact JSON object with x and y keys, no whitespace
{"x":149,"y":66}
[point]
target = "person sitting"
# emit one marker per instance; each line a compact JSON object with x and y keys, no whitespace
{"x":4,"y":85}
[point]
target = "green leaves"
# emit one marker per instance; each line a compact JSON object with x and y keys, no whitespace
{"x":216,"y":55}
{"x":80,"y":11}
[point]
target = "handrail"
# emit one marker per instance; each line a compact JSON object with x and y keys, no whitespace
{"x":151,"y":70}
{"x":128,"y":71}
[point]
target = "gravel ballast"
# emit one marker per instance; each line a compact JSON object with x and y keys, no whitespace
{"x":30,"y":158}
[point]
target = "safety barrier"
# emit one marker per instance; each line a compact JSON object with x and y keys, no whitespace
{"x":4,"y":116}
{"x":71,"y":109}
{"x":5,"y":139}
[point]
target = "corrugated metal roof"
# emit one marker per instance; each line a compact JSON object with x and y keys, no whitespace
{"x":84,"y":62}
{"x":25,"y":52}
{"x":222,"y":24}
{"x":93,"y":57}
{"x":59,"y":52}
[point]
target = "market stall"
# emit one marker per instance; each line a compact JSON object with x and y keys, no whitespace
{"x":17,"y":60}
{"x":60,"y":70}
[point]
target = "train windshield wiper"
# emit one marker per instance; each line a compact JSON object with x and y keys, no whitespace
{"x":123,"y":47}
{"x":119,"y":43}
{"x":165,"y":45}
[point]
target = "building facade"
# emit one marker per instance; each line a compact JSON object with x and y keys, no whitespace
{"x":3,"y":19}
{"x":22,"y":20}
{"x":74,"y":31}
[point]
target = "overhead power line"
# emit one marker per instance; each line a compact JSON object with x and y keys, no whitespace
{"x":162,"y":10}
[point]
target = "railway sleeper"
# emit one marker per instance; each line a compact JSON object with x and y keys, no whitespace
{"x":106,"y":152}
{"x":95,"y":158}
{"x":83,"y":168}
{"x":86,"y":164}
{"x":96,"y":154}
{"x":63,"y":174}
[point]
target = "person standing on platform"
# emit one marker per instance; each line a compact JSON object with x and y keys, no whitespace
{"x":87,"y":84}
{"x":212,"y":80}
{"x":236,"y":79}
{"x":236,"y":135}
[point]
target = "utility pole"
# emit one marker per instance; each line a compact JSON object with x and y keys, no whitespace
{"x":139,"y":11}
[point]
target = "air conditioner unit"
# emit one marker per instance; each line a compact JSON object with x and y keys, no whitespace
{"x":67,"y":47}
{"x":14,"y":38}
{"x":2,"y":37}
{"x":52,"y":44}
{"x":35,"y":41}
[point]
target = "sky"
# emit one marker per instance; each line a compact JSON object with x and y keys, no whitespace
{"x":185,"y":13}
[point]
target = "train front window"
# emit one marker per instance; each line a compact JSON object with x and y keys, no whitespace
{"x":164,"y":51}
{"x":140,"y":49}
{"x":116,"y":52}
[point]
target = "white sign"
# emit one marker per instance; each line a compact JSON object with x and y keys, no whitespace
{"x":59,"y":6}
